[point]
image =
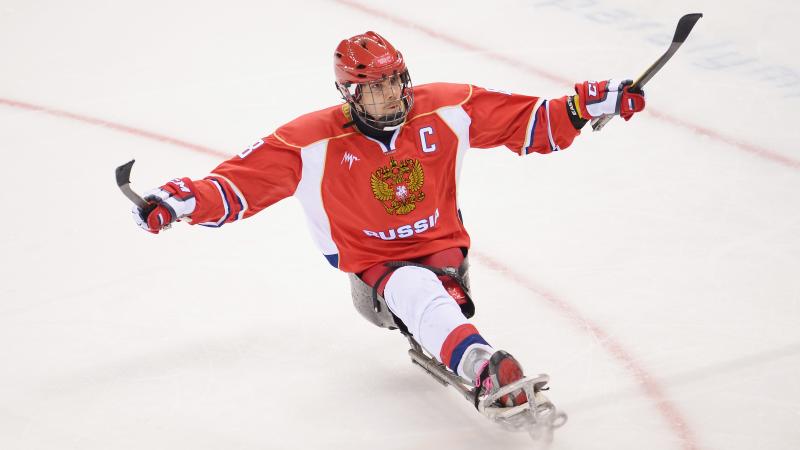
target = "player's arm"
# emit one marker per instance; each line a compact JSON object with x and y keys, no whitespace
{"x":260,"y":176}
{"x":528,"y":124}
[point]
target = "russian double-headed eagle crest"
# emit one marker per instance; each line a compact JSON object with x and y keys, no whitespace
{"x":399,"y":185}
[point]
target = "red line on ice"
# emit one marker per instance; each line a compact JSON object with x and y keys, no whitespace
{"x":114,"y":126}
{"x":648,"y":383}
{"x":534,"y":70}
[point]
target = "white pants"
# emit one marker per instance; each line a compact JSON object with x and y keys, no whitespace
{"x":417,"y":297}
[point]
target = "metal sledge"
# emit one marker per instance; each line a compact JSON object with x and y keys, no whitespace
{"x":539,"y":417}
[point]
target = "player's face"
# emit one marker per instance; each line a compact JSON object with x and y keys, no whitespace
{"x":383,"y":98}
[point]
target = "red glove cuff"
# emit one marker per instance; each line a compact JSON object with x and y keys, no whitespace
{"x":590,"y":92}
{"x":180,"y":188}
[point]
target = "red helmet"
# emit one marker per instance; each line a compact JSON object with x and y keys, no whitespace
{"x":366,"y":57}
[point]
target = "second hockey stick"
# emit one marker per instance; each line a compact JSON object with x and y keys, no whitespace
{"x":123,"y":176}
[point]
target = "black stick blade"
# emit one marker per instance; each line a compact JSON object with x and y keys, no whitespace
{"x":685,"y":26}
{"x":123,"y":173}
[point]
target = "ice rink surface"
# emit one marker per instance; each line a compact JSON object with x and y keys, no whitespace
{"x":651,"y":269}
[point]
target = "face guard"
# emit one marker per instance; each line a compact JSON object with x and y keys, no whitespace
{"x":381,"y":104}
{"x":372,"y":77}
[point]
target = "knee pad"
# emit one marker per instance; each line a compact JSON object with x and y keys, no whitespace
{"x":411,"y":289}
{"x":418,"y":298}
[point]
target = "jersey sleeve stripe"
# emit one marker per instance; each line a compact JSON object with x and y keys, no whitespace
{"x":553,"y":145}
{"x":243,"y":206}
{"x":225,"y":203}
{"x":532,"y":125}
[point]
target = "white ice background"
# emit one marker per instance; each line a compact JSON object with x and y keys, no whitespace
{"x":651,"y":269}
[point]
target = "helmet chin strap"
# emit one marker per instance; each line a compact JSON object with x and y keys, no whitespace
{"x":394,"y":127}
{"x":376,"y":123}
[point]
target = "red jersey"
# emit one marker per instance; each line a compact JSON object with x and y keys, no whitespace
{"x":366,"y":202}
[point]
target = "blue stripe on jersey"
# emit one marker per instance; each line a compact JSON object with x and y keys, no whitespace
{"x":533,"y":127}
{"x":333,"y":260}
{"x":224,"y":199}
{"x":458,"y":352}
{"x":241,"y":208}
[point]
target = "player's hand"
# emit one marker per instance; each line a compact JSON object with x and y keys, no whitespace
{"x":166,"y":204}
{"x":609,"y":97}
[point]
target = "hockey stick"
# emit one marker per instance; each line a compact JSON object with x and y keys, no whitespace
{"x":123,"y":174}
{"x":682,"y":31}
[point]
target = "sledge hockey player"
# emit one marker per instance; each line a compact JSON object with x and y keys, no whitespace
{"x":377,"y":178}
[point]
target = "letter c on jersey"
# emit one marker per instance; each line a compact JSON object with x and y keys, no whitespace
{"x":425,"y":147}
